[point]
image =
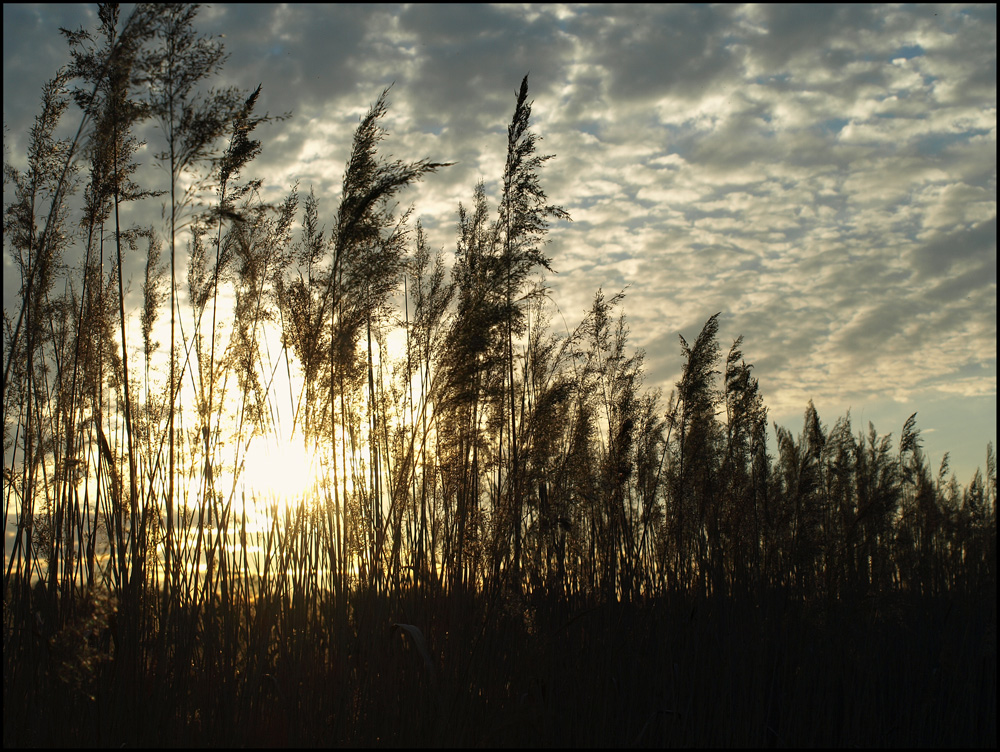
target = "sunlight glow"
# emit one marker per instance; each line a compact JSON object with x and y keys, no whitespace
{"x":282,"y":470}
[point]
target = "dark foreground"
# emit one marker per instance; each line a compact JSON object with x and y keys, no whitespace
{"x":886,"y":671}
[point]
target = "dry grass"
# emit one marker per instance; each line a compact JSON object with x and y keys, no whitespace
{"x":526,"y":549}
{"x":669,"y":672}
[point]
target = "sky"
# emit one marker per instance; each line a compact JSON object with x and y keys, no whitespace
{"x":822,"y":175}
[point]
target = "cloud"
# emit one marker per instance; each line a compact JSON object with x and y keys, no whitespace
{"x":824,"y":175}
{"x":973,"y":246}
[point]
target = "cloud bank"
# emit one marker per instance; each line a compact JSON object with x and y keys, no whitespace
{"x":825,"y":176}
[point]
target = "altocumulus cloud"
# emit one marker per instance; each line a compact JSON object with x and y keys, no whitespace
{"x":823,"y":175}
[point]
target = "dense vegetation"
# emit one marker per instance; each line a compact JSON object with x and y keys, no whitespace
{"x":510,"y":539}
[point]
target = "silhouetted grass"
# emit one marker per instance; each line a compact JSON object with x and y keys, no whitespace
{"x":665,"y":672}
{"x":525,"y":549}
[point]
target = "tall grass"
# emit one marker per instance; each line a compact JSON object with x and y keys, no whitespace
{"x":508,"y":540}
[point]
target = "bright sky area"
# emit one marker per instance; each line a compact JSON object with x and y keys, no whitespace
{"x":825,"y":176}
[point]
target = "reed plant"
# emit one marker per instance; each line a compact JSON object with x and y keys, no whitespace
{"x":508,"y":540}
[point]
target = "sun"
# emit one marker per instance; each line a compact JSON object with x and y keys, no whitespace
{"x":280,"y":469}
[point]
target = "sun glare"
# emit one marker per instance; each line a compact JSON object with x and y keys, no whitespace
{"x":281,"y":470}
